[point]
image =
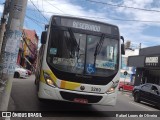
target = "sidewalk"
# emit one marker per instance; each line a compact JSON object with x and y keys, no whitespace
{"x":11,"y":105}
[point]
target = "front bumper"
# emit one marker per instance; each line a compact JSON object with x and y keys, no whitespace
{"x":48,"y":92}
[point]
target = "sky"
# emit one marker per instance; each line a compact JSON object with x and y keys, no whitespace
{"x":138,"y":20}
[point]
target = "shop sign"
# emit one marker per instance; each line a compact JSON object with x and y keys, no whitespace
{"x":152,"y":61}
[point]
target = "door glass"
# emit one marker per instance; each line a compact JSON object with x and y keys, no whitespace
{"x":154,"y":90}
{"x":146,"y":88}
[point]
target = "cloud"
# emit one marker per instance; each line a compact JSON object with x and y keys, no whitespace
{"x":134,"y":30}
{"x":130,"y":30}
{"x":1,"y":9}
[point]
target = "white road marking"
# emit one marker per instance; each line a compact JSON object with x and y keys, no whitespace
{"x":142,"y":106}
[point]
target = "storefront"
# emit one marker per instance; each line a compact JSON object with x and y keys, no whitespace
{"x":147,"y":65}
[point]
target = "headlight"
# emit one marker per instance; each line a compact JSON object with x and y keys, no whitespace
{"x":113,"y":87}
{"x":49,"y":80}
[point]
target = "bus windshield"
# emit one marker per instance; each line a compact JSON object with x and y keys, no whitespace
{"x":72,"y":51}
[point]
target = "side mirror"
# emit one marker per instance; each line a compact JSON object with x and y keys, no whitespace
{"x":122,"y":46}
{"x":122,"y":39}
{"x":43,"y":37}
{"x":122,"y":49}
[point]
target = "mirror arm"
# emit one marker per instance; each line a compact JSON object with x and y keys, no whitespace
{"x":122,"y":38}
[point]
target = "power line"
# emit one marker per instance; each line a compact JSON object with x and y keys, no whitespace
{"x":35,"y":21}
{"x":54,"y":6}
{"x":122,"y":6}
{"x":42,"y":6}
{"x":39,"y":11}
{"x":127,"y":20}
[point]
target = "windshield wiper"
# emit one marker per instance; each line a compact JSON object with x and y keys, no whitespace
{"x":74,"y":44}
{"x":78,"y":56}
{"x":98,"y":48}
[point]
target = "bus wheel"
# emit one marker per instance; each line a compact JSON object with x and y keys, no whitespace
{"x":158,"y":106}
{"x":35,"y":81}
{"x":136,"y":97}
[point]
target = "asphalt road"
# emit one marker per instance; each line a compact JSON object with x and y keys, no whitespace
{"x":24,"y":98}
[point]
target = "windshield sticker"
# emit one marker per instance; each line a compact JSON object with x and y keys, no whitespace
{"x":90,"y":68}
{"x":105,"y":64}
{"x":53,"y":51}
{"x":64,"y":61}
{"x":80,"y":65}
{"x":89,"y":40}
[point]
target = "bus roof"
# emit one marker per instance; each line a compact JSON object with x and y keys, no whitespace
{"x":87,"y":24}
{"x":81,"y":18}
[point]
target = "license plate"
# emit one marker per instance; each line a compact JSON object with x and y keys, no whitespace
{"x":80,"y":100}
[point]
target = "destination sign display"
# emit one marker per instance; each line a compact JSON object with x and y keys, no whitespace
{"x":88,"y":25}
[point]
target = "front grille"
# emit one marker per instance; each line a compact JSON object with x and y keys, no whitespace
{"x":72,"y":96}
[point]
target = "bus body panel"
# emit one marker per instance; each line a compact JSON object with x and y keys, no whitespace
{"x":74,"y":86}
{"x":48,"y":92}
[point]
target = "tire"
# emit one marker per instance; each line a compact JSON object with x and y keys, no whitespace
{"x":158,"y":106}
{"x":16,"y":75}
{"x":35,"y":81}
{"x":137,"y":97}
{"x":41,"y":100}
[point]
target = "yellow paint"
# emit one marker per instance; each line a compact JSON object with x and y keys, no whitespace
{"x":25,"y":47}
{"x":53,"y":77}
{"x":42,"y":77}
{"x":69,"y":85}
{"x":63,"y":83}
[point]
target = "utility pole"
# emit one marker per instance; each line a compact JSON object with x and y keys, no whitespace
{"x":3,"y":21}
{"x":10,"y":48}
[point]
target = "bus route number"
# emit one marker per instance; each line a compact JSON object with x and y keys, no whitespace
{"x":95,"y":89}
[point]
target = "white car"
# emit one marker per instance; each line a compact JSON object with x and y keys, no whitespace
{"x":20,"y":72}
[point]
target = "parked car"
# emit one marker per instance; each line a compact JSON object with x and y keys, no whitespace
{"x":148,"y":92}
{"x":29,"y":72}
{"x":20,"y":72}
{"x":128,"y":86}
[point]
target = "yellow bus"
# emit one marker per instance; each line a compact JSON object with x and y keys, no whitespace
{"x":79,"y":61}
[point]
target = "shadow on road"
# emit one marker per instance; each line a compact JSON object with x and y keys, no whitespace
{"x":149,"y":105}
{"x":61,"y":108}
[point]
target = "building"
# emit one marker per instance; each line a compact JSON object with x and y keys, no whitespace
{"x":28,"y":49}
{"x":124,"y":67}
{"x":147,"y":65}
{"x":129,"y":51}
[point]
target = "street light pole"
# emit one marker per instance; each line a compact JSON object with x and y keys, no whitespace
{"x":10,"y":48}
